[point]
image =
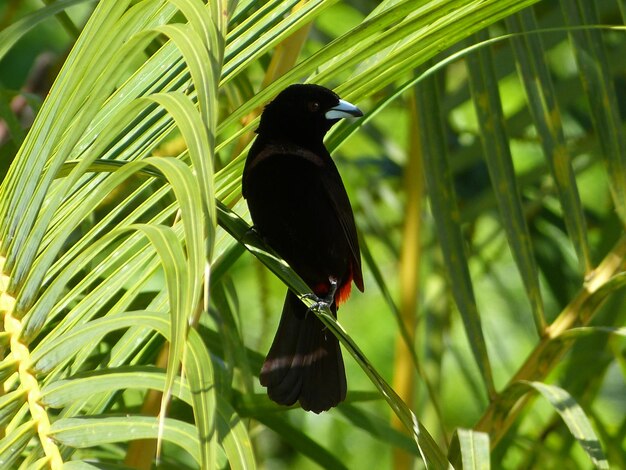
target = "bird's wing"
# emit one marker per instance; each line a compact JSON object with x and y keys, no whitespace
{"x":332,"y":184}
{"x":338,"y":197}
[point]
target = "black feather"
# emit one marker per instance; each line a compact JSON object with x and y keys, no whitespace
{"x":300,"y":207}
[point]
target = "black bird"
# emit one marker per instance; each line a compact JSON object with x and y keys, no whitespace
{"x":299,"y":206}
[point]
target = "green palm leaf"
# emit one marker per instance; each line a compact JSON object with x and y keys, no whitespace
{"x":123,"y":234}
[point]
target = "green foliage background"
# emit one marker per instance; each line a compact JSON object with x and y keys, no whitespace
{"x":488,"y":179}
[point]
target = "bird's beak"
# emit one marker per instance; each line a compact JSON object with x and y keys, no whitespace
{"x":343,"y":110}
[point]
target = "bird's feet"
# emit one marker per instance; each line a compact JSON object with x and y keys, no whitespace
{"x":251,"y":234}
{"x":322,"y":303}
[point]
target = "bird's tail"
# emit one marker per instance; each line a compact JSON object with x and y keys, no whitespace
{"x":304,"y":362}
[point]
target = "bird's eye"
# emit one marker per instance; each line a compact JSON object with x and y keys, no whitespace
{"x":314,"y":106}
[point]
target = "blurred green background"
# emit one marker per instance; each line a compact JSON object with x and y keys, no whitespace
{"x":439,"y":227}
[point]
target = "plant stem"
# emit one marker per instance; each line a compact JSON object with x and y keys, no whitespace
{"x":508,"y":404}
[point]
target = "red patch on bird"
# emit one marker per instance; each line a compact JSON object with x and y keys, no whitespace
{"x":343,"y":292}
{"x":321,"y":289}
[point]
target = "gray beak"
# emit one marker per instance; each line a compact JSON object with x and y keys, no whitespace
{"x":343,"y":110}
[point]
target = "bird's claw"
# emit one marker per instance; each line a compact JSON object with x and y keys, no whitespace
{"x":322,"y":303}
{"x":251,"y":235}
{"x":319,"y":304}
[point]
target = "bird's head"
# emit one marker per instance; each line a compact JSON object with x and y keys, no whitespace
{"x":302,"y":114}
